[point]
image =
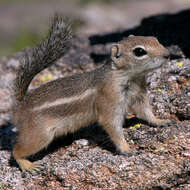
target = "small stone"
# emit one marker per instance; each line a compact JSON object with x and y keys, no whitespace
{"x":172,"y":78}
{"x":13,"y":63}
{"x":187,"y":154}
{"x":82,"y":142}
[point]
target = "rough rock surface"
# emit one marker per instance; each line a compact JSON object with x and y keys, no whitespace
{"x":87,"y":159}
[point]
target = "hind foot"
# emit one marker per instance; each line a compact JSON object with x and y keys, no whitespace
{"x":28,"y":166}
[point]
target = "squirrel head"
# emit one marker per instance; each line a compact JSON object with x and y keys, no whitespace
{"x":138,"y":54}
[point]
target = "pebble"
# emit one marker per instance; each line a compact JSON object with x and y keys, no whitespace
{"x":187,"y":154}
{"x":82,"y":142}
{"x":13,"y":63}
{"x":172,"y":78}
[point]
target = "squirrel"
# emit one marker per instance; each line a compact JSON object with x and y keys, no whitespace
{"x":103,"y":95}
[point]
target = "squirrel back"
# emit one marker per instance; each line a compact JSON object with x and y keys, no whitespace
{"x":43,"y":55}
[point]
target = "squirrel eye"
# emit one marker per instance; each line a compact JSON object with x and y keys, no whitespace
{"x":139,"y":52}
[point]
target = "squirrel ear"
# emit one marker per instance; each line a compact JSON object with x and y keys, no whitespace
{"x":115,"y":52}
{"x":115,"y":55}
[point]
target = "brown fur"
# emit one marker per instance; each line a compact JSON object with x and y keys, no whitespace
{"x":104,"y":95}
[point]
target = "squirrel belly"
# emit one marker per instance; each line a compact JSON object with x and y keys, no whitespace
{"x":103,"y":95}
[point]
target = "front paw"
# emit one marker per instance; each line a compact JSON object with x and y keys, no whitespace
{"x":161,"y":123}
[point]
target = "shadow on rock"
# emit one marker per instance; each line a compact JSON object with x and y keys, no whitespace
{"x":170,"y":29}
{"x":95,"y":135}
{"x":7,"y":136}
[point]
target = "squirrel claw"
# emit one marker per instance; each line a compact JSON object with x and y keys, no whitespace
{"x":35,"y":169}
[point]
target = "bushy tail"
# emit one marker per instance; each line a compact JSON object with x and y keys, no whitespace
{"x":43,"y":55}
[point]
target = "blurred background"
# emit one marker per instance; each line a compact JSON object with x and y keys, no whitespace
{"x":25,"y":22}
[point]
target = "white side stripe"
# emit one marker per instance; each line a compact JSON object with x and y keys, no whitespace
{"x":66,"y":100}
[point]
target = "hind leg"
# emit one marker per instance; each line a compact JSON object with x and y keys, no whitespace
{"x":30,"y":141}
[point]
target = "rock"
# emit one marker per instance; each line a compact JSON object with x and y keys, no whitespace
{"x":82,"y":142}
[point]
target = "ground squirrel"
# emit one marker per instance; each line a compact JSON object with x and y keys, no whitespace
{"x":103,"y":95}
